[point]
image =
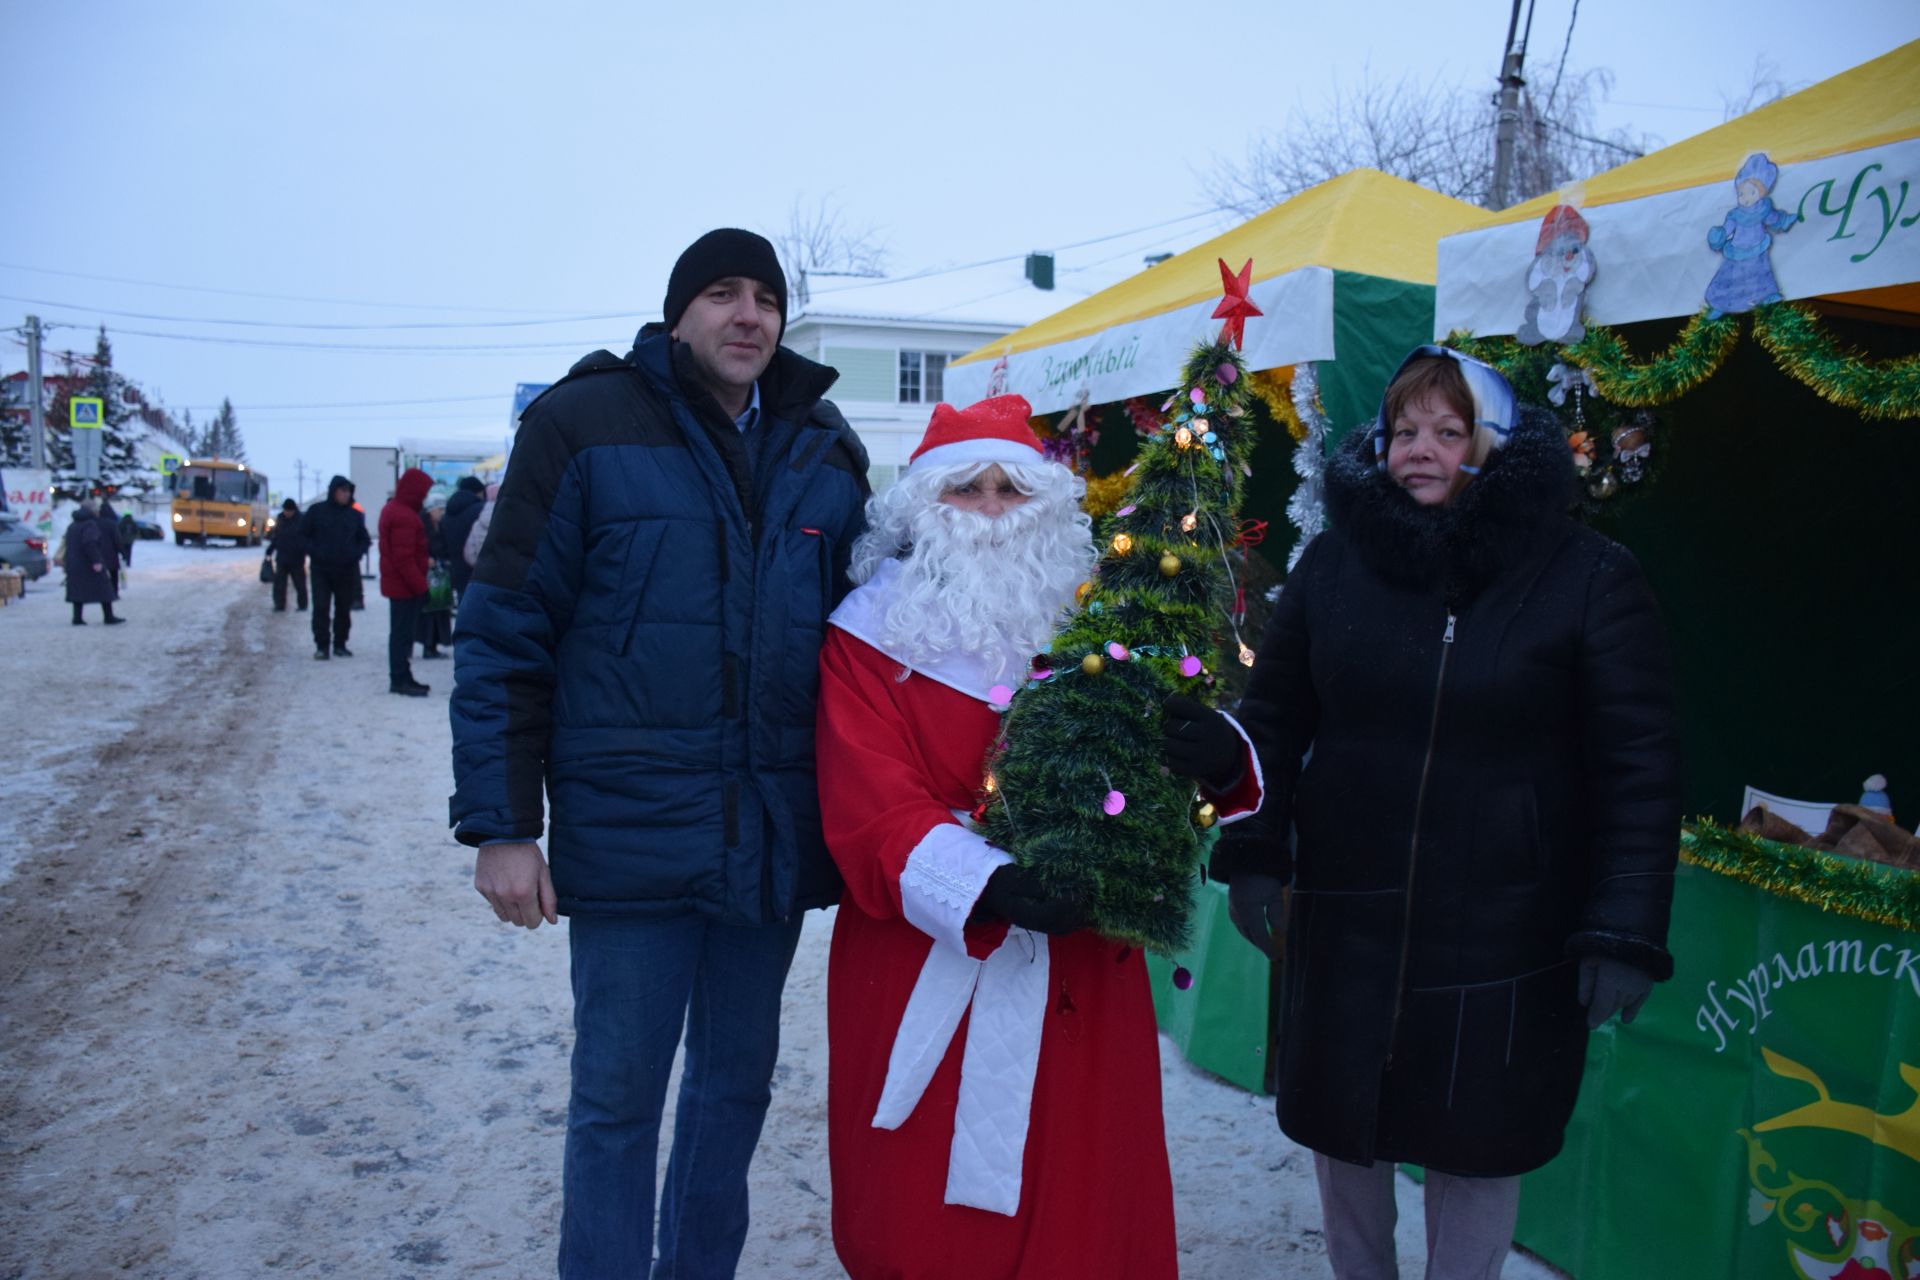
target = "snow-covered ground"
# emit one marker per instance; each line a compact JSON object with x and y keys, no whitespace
{"x":257,"y":1022}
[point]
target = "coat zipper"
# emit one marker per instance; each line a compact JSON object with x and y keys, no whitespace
{"x":1413,"y":844}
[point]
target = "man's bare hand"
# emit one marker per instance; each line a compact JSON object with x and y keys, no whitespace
{"x":513,"y":878}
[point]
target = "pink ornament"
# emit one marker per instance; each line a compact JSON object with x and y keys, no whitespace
{"x":1126,"y":511}
{"x":1168,"y":405}
{"x":1197,"y":396}
{"x":1191,"y":666}
{"x":1226,"y":375}
{"x":1114,"y":803}
{"x":999,"y":697}
{"x":1040,"y":673}
{"x":1118,"y":652}
{"x":1182,"y":977}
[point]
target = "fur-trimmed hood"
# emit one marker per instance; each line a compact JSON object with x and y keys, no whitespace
{"x":1524,"y":489}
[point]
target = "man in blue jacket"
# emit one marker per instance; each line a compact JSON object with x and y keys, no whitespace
{"x":639,"y":646}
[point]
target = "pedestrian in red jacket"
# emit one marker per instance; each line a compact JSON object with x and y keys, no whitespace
{"x":403,"y":576}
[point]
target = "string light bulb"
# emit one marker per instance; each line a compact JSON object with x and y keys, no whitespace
{"x":1189,"y":522}
{"x":1246,"y":655}
{"x":1122,"y":543}
{"x":1183,"y":438}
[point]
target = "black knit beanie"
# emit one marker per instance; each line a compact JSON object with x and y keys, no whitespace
{"x":717,"y":255}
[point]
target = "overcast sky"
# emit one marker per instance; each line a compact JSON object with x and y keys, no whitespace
{"x":500,"y":161}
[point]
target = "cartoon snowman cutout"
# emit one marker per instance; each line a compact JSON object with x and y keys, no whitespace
{"x":1562,"y":268}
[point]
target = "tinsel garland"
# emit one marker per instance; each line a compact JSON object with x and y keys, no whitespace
{"x":1075,"y":788}
{"x":1104,"y":494}
{"x":1844,"y":886}
{"x":1275,"y":389}
{"x":1699,"y":351}
{"x":1307,"y":508}
{"x":1802,"y":349}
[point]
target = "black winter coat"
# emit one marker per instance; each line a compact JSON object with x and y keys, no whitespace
{"x":89,"y":542}
{"x":284,"y":544}
{"x":463,"y":508}
{"x":1492,"y":793}
{"x":335,"y":536}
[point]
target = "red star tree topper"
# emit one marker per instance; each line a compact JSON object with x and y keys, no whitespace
{"x":1235,"y":307}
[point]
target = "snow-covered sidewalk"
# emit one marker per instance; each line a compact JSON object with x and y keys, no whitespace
{"x":257,"y":1022}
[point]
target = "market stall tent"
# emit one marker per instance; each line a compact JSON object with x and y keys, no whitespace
{"x":1761,"y":1116}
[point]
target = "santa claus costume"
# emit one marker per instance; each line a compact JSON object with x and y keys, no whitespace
{"x":994,"y":1093}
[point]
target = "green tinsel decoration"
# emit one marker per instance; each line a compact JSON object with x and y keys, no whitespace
{"x":1074,"y":738}
{"x":1700,"y":349}
{"x":1844,"y":886}
{"x":1803,"y":350}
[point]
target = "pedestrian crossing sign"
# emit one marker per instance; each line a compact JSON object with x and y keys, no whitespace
{"x":86,"y":412}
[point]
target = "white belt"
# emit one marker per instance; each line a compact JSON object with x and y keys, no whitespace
{"x":1007,"y":993}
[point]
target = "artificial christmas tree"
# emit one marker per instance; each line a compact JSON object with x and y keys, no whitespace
{"x":1076,"y":790}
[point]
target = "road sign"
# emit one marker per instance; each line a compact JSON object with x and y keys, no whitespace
{"x":87,"y":417}
{"x":169,"y":463}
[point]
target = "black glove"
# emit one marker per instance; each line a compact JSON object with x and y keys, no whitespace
{"x":1198,"y":742}
{"x":1610,"y":986}
{"x":1255,"y":904}
{"x":1014,"y":894}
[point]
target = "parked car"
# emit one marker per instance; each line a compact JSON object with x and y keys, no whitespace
{"x":148,"y":530}
{"x":22,"y":547}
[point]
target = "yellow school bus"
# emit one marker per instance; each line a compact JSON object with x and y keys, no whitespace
{"x":214,"y":498}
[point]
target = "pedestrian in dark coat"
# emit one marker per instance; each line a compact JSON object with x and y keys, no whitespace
{"x":1486,"y":824}
{"x":333,"y":533}
{"x":403,"y":575}
{"x":289,"y":557}
{"x":90,"y":561}
{"x":110,"y":523}
{"x":463,"y":508}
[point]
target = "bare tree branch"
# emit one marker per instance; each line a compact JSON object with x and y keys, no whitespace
{"x":819,"y":240}
{"x":1764,"y":88}
{"x":1438,"y":136}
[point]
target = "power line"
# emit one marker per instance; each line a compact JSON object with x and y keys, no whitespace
{"x":1565,"y":45}
{"x":473,"y":348}
{"x":1016,"y":257}
{"x":273,"y":297}
{"x":279,"y":324}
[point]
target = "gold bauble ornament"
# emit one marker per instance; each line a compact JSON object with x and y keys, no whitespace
{"x":1605,"y":487}
{"x":1169,"y":564}
{"x":1204,"y":816}
{"x":1081,"y":592}
{"x":1093,"y":664}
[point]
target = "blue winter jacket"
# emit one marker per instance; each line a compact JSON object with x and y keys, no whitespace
{"x":641,"y":636}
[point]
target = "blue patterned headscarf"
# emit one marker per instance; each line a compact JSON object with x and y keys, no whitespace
{"x":1494,"y":406}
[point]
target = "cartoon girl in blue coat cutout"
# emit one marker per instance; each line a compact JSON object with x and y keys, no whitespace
{"x":1745,"y":279}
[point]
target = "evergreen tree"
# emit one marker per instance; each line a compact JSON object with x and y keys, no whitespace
{"x":1076,"y":790}
{"x":222,"y":439}
{"x":188,"y":435}
{"x":16,"y":428}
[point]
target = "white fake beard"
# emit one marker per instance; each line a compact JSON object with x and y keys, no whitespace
{"x":997,"y":587}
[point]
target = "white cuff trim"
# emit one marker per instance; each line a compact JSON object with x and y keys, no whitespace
{"x":943,"y":878}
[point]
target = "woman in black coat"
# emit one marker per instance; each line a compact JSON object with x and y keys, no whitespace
{"x":91,"y":560}
{"x":1463,"y":708}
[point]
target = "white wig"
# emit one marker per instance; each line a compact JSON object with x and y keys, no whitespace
{"x":998,"y":586}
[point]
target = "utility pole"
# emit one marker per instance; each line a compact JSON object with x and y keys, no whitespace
{"x":300,"y":481}
{"x":36,"y":406}
{"x":1507,"y":123}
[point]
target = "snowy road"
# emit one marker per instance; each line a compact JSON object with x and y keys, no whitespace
{"x":256,"y":1021}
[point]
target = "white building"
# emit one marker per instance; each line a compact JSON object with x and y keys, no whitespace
{"x":891,"y":341}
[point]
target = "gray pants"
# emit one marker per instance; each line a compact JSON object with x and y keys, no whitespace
{"x":1469,"y":1222}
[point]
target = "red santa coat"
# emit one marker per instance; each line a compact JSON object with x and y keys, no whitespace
{"x":1090,"y":1194}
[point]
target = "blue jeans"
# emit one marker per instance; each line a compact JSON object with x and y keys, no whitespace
{"x":636,"y":984}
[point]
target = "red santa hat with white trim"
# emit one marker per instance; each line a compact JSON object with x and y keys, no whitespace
{"x":994,"y":430}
